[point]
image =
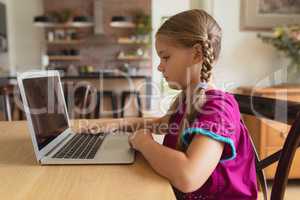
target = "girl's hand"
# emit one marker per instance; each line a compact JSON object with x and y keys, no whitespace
{"x":140,"y":138}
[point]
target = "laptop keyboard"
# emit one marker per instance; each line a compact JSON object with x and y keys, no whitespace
{"x":81,"y":146}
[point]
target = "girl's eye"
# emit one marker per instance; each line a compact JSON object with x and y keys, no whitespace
{"x":166,"y":58}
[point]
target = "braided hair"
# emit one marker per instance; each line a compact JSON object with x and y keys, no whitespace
{"x":189,"y":28}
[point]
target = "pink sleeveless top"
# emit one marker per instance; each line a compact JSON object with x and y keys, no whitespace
{"x":235,"y":175}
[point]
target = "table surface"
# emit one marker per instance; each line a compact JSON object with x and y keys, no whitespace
{"x":23,"y":178}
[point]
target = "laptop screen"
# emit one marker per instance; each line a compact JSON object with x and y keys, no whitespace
{"x":47,"y":109}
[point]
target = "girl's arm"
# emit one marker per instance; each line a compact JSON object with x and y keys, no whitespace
{"x":186,"y":171}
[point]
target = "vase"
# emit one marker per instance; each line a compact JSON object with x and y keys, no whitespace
{"x":293,"y":73}
{"x":290,"y":70}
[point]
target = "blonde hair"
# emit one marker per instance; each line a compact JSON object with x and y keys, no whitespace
{"x":187,"y":29}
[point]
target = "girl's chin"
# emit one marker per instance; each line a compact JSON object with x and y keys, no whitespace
{"x":174,"y":85}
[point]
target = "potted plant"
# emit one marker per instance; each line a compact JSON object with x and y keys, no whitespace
{"x":286,"y":39}
{"x":62,"y":16}
{"x":143,"y":26}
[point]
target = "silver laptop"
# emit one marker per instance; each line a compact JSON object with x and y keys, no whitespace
{"x":49,"y":127}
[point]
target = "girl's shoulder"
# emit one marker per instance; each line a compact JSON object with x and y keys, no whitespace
{"x":220,"y":105}
{"x":217,"y":94}
{"x":215,"y":97}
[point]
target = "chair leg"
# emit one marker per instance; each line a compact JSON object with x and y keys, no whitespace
{"x":286,"y":158}
{"x":123,"y":99}
{"x":20,"y":113}
{"x":139,"y":102}
{"x":260,"y":173}
{"x":114,"y":105}
{"x":97,"y":108}
{"x":7,"y":108}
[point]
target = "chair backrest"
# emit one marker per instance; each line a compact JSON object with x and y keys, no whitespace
{"x":126,"y":106}
{"x":90,"y":103}
{"x":282,"y":111}
{"x":84,"y":96}
{"x":106,"y":104}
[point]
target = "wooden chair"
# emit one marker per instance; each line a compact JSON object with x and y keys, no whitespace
{"x":289,"y":114}
{"x":106,"y":99}
{"x":82,"y":100}
{"x":10,"y":94}
{"x":137,"y":105}
{"x":90,"y":103}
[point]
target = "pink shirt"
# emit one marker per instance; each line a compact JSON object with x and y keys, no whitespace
{"x":235,"y":175}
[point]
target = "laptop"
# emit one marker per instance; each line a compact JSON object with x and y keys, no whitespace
{"x":53,"y":140}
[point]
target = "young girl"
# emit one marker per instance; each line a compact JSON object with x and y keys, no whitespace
{"x":207,"y":153}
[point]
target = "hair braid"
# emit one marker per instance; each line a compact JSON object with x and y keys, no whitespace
{"x":199,"y":98}
{"x":208,"y":58}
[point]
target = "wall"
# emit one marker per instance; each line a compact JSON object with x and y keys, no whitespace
{"x":203,"y":4}
{"x":24,"y":40}
{"x":244,"y":60}
{"x":4,"y":62}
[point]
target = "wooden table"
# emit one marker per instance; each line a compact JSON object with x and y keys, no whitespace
{"x":22,"y":178}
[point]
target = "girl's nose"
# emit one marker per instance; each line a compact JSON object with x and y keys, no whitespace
{"x":160,"y":67}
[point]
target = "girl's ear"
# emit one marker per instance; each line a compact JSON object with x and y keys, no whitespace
{"x":198,"y":53}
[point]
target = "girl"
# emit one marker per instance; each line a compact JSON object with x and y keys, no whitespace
{"x":207,"y":153}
